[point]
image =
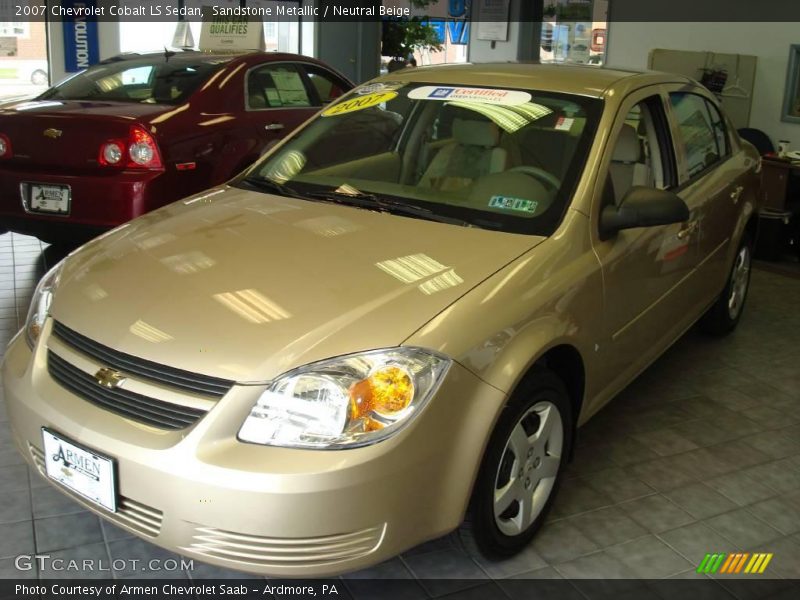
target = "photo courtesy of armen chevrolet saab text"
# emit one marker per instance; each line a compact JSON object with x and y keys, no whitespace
{"x":392,"y":325}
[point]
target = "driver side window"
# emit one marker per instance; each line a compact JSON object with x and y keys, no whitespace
{"x":641,"y":154}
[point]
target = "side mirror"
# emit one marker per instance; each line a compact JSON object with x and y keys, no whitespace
{"x":643,"y":207}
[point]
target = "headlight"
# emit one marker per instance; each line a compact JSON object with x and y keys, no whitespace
{"x":345,"y":402}
{"x":40,"y":304}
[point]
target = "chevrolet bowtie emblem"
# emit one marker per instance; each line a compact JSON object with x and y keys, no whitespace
{"x":52,"y":133}
{"x":109,"y":378}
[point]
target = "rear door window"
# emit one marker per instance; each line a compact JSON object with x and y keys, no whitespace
{"x":276,"y":86}
{"x":702,"y":131}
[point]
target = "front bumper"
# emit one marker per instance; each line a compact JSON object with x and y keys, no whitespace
{"x":274,"y":511}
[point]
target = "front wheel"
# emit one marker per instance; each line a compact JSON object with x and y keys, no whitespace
{"x":724,"y":315}
{"x":521,"y":469}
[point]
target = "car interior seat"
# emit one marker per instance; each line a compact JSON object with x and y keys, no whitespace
{"x":474,"y":152}
{"x":627,"y":167}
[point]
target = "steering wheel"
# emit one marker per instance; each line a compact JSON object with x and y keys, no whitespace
{"x":540,"y":174}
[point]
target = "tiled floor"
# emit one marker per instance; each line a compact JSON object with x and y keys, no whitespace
{"x":700,"y":454}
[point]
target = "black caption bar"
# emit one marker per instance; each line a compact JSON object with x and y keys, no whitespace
{"x":399,"y":589}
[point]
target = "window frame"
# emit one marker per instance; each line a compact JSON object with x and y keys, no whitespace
{"x":335,"y":79}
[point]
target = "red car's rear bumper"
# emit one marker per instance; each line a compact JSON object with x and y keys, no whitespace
{"x":100,"y":201}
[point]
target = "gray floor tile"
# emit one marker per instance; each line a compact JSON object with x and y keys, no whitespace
{"x":743,"y":529}
{"x":561,"y":541}
{"x":50,"y":502}
{"x":781,"y":475}
{"x":527,"y":560}
{"x":694,"y":541}
{"x":740,"y":488}
{"x":576,"y":496}
{"x":656,"y":513}
{"x":365,"y":584}
{"x":769,"y":417}
{"x":780,"y":513}
{"x":774,"y":444}
{"x":14,"y":478}
{"x":700,"y":501}
{"x":445,"y":571}
{"x":607,"y":526}
{"x":16,"y":539}
{"x":649,"y":557}
{"x":201,"y":570}
{"x":59,"y":533}
{"x":665,"y":442}
{"x":112,"y":533}
{"x":662,"y":474}
{"x":15,"y":506}
{"x":599,"y":565}
{"x":90,"y":561}
{"x":618,"y":485}
{"x":9,"y":569}
{"x":131,"y":558}
{"x":703,"y":432}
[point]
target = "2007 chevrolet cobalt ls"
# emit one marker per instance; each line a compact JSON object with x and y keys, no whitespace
{"x":391,"y":326}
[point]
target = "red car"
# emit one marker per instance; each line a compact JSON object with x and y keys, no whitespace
{"x":139,"y":131}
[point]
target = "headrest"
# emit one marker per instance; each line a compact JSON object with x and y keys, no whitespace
{"x":476,"y":133}
{"x":627,"y":149}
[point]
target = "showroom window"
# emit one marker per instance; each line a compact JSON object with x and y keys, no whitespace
{"x":24,"y":68}
{"x":276,"y":86}
{"x":574,"y":32}
{"x":702,"y":130}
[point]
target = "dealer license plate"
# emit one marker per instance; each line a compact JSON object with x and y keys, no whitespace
{"x":80,"y":469}
{"x":55,"y":199}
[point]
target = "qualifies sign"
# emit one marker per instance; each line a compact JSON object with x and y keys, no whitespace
{"x":231,"y":33}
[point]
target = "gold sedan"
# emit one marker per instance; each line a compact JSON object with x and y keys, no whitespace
{"x":391,"y":326}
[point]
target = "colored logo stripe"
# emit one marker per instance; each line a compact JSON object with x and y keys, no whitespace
{"x":734,"y":563}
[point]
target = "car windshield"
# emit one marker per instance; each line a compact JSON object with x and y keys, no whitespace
{"x":504,"y":159}
{"x":151,"y":81}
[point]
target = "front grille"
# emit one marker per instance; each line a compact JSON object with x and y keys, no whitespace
{"x":178,"y":378}
{"x":150,"y":411}
{"x":285,"y":552}
{"x":139,"y":517}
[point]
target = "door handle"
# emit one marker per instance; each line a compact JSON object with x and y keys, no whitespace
{"x":688,"y":230}
{"x":274,"y":127}
{"x":736,"y":194}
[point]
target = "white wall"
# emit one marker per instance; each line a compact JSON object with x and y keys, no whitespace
{"x":630,"y":43}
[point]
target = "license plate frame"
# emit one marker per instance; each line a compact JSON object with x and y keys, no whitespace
{"x":53,"y":198}
{"x":96,"y":482}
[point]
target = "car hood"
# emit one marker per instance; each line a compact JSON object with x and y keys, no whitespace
{"x":245,"y":286}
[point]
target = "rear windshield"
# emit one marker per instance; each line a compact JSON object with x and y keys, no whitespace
{"x":503,"y":159}
{"x":153,"y":82}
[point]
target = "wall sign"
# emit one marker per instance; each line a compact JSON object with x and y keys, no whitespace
{"x":230,"y":33}
{"x":81,"y":42}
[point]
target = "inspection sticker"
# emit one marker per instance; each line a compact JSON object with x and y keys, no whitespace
{"x":358,"y":103}
{"x":509,"y":203}
{"x":484,"y":95}
{"x":564,"y":124}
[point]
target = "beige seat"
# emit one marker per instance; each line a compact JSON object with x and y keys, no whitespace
{"x":473,"y":153}
{"x":626,"y":168}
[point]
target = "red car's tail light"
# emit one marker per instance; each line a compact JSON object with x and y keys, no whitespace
{"x":139,"y":151}
{"x":143,"y":150}
{"x":5,"y":146}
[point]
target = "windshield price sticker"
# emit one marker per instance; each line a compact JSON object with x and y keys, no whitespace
{"x":359,"y":103}
{"x":483,"y":95}
{"x":517,"y":204}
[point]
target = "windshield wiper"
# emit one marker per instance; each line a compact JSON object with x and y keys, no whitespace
{"x":268,"y":185}
{"x":380,"y":204}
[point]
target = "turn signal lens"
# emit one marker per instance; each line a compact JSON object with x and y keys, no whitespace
{"x":5,"y":146}
{"x":387,"y":392}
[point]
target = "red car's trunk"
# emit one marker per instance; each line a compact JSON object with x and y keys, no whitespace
{"x":68,"y":134}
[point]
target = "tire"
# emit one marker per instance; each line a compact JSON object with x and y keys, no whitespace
{"x":495,"y":526}
{"x":723,"y":316}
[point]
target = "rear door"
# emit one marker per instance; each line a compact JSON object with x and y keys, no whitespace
{"x":712,"y":178}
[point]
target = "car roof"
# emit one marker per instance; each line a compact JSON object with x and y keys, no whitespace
{"x":575,"y":79}
{"x":194,"y":56}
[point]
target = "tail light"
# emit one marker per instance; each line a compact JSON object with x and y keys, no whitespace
{"x":139,"y":151}
{"x":5,"y":146}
